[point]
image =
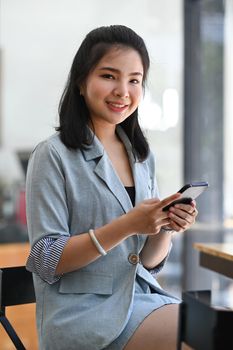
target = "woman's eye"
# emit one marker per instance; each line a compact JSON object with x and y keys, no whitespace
{"x":135,"y":81}
{"x":108,"y":76}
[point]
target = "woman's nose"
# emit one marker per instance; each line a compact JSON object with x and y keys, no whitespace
{"x":121,"y":90}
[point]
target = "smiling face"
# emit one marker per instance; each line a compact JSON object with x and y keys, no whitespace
{"x":113,"y":89}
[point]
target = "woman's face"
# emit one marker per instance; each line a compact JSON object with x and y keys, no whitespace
{"x":112,"y":91}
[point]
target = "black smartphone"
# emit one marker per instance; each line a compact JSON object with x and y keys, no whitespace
{"x":189,"y":192}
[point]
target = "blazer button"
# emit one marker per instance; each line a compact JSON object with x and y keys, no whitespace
{"x":133,"y":258}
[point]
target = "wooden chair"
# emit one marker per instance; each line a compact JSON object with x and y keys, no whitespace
{"x":16,"y":288}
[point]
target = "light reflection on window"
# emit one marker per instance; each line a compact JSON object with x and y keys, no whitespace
{"x":155,"y":117}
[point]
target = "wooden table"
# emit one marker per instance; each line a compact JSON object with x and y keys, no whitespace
{"x":217,"y":257}
{"x":13,"y":254}
{"x":22,"y":317}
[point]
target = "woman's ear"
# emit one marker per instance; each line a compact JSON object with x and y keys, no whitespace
{"x":81,"y":89}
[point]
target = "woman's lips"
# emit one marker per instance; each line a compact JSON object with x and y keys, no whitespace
{"x":117,"y":107}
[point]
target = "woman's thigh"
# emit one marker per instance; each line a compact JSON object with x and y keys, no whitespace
{"x":158,"y":331}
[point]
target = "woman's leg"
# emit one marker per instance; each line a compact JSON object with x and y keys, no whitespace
{"x":158,"y":331}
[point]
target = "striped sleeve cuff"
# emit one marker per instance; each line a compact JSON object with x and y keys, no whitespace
{"x":44,"y":257}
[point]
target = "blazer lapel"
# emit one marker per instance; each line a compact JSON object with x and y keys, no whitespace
{"x":106,"y":172}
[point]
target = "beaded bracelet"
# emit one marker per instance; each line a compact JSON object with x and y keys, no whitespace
{"x":96,"y":243}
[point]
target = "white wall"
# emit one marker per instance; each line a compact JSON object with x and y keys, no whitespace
{"x":38,"y":41}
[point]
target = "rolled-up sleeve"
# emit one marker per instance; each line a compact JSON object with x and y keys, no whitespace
{"x":44,"y":257}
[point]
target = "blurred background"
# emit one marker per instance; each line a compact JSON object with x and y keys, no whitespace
{"x":186,"y":112}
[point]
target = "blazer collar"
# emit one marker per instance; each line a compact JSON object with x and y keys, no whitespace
{"x":94,"y":150}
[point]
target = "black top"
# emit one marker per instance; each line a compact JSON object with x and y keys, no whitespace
{"x":131,"y":193}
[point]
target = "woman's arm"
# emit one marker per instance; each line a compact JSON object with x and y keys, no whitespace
{"x":50,"y":257}
{"x":80,"y":251}
{"x":181,"y":217}
{"x":147,"y":217}
{"x":156,"y":249}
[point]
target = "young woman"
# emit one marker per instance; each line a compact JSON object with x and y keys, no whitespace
{"x":95,"y":221}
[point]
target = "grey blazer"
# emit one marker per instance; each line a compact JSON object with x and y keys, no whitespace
{"x":68,"y":193}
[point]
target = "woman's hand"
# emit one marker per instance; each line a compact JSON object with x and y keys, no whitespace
{"x":148,"y":216}
{"x":182,"y":216}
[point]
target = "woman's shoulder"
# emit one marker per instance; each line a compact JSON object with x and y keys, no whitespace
{"x":51,"y":145}
{"x":49,"y":151}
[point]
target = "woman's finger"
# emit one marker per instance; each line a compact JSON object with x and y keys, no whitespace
{"x":166,"y":201}
{"x":185,"y":221}
{"x":174,"y":226}
{"x":185,"y":215}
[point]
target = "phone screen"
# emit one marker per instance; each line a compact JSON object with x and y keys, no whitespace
{"x":188,"y":193}
{"x":193,"y":190}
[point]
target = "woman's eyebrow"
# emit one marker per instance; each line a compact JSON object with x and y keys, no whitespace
{"x":115,"y":70}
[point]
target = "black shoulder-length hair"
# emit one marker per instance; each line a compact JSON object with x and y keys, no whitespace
{"x":74,"y":116}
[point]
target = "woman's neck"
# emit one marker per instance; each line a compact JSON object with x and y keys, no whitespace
{"x":106,"y":133}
